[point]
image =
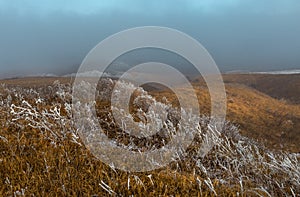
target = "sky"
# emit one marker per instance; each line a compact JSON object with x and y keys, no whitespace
{"x":54,"y":36}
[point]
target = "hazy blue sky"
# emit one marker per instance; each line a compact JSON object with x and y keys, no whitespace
{"x":54,"y":36}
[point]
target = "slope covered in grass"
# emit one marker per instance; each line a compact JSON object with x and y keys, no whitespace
{"x":41,"y":154}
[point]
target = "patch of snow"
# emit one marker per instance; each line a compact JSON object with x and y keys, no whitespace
{"x":280,"y":72}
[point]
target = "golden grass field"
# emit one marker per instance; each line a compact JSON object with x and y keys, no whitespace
{"x":41,"y":154}
{"x":265,"y":114}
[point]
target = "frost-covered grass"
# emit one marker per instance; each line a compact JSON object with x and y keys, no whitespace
{"x":42,"y":154}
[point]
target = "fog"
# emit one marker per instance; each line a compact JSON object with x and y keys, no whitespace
{"x":38,"y":37}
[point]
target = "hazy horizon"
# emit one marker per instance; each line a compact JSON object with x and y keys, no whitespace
{"x":54,"y":36}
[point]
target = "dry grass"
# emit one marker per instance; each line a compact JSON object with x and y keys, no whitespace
{"x":284,"y":87}
{"x":274,"y":123}
{"x":41,"y":155}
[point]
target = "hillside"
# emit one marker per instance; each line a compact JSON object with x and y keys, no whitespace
{"x":260,"y":116}
{"x":41,"y":152}
{"x":279,"y":86}
{"x":265,"y":112}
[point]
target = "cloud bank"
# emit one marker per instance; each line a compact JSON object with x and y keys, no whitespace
{"x":54,"y":36}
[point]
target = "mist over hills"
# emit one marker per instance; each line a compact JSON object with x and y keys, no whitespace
{"x":50,"y":140}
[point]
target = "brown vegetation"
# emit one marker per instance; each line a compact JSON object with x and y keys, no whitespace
{"x":50,"y":160}
{"x":273,"y":122}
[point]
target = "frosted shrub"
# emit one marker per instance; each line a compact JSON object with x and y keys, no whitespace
{"x":37,"y":108}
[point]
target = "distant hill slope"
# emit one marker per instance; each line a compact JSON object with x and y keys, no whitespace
{"x":281,"y":86}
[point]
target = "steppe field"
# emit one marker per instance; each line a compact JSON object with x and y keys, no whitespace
{"x":256,"y":154}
